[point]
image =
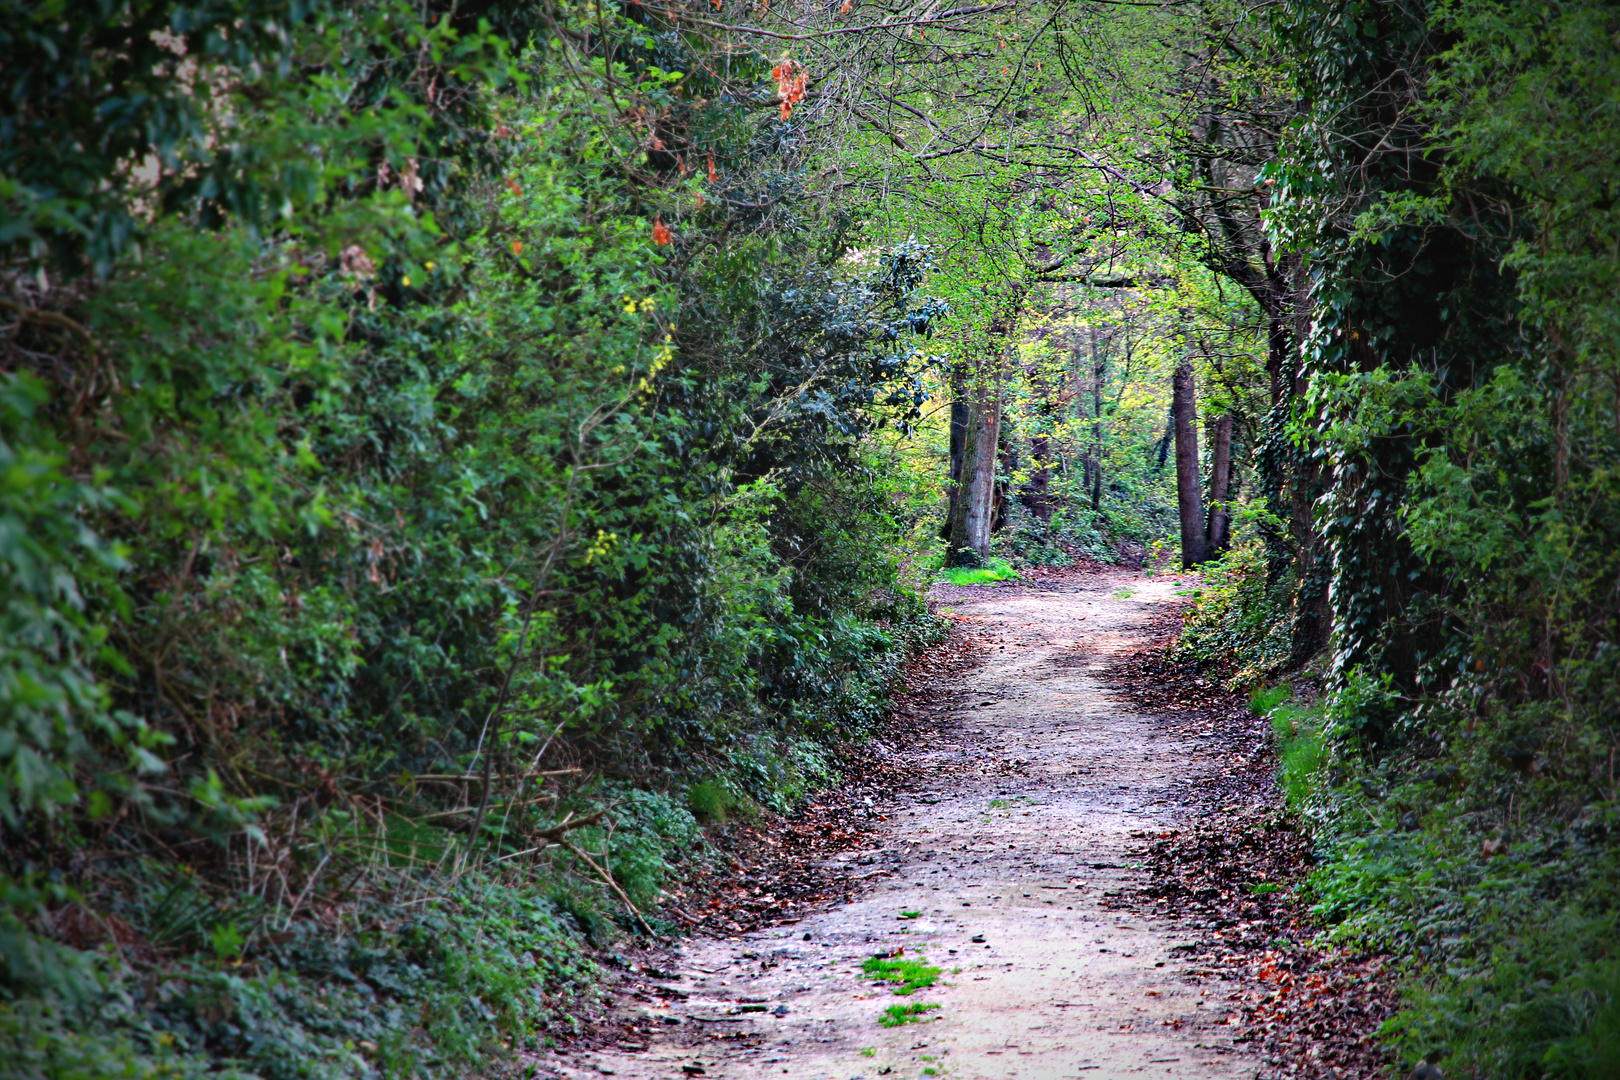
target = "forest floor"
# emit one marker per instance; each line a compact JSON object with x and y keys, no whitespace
{"x":1058,"y":829}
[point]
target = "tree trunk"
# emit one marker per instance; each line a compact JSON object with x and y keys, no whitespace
{"x":1007,"y":457}
{"x":1220,"y":482}
{"x":973,"y":507}
{"x":1035,"y":493}
{"x":1312,"y":618}
{"x":1038,"y":492}
{"x":1189,"y":496}
{"x":1099,"y":371}
{"x":975,"y":503}
{"x":961,"y":409}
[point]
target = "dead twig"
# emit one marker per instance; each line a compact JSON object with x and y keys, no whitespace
{"x":478,"y":778}
{"x":607,"y":879}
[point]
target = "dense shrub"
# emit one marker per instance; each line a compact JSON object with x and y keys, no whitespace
{"x":416,"y":452}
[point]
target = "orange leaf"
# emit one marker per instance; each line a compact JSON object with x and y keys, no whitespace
{"x":712,"y":176}
{"x":512,"y":185}
{"x":517,"y":247}
{"x":661,"y":233}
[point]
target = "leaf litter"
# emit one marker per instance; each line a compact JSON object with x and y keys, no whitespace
{"x":1233,"y":873}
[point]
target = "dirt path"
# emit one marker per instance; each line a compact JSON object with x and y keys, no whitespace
{"x":1031,"y":812}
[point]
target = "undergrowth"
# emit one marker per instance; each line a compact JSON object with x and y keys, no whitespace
{"x":1479,"y":864}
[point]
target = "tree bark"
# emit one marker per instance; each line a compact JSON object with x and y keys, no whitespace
{"x":1220,"y":482}
{"x":1038,"y":492}
{"x":1007,"y":459}
{"x":1189,"y":496}
{"x":1099,"y":371}
{"x":1312,"y":618}
{"x":973,"y":507}
{"x":961,"y":411}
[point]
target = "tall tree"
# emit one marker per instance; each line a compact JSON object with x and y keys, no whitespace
{"x":1218,"y":532}
{"x":1189,"y":493}
{"x":973,"y":499}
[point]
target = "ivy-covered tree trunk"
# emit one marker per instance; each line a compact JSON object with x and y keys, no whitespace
{"x":1037,"y":497}
{"x":1036,"y":491}
{"x":1189,"y":496}
{"x":1312,"y":618}
{"x":1220,"y":483}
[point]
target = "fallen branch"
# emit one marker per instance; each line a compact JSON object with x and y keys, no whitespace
{"x":51,"y":318}
{"x":436,"y":815}
{"x":607,"y":879}
{"x":478,"y":778}
{"x":569,"y":824}
{"x":682,"y":913}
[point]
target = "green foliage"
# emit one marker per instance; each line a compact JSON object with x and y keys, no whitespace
{"x":1460,"y":372}
{"x":39,"y":1041}
{"x":482,"y":963}
{"x":1301,"y":753}
{"x":401,"y":460}
{"x":710,"y":800}
{"x":1262,"y":701}
{"x":910,"y":975}
{"x":1233,"y":625}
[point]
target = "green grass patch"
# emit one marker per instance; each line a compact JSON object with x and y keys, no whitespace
{"x":895,"y":1015}
{"x":995,"y":570}
{"x":1262,"y":701}
{"x":1301,"y":745}
{"x":1301,"y":752}
{"x":911,"y":975}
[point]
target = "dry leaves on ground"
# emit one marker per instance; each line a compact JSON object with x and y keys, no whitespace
{"x":1232,"y":874}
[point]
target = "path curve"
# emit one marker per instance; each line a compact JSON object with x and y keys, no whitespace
{"x":1032,"y":806}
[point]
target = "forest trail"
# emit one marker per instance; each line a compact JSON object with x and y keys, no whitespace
{"x":997,"y":866}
